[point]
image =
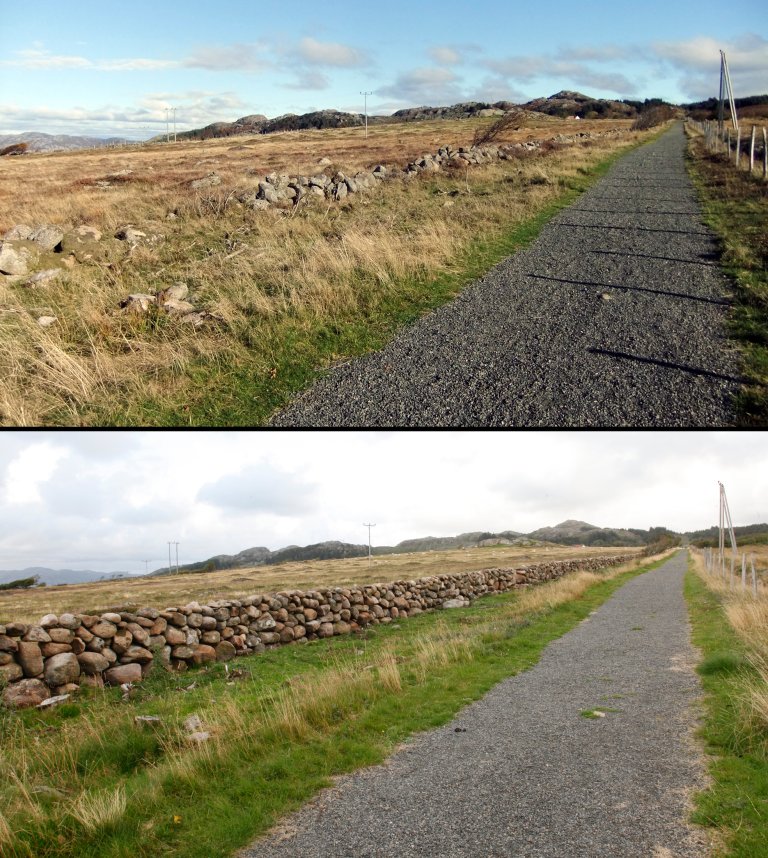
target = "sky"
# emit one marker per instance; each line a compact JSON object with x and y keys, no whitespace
{"x":108,"y":501}
{"x":107,"y":68}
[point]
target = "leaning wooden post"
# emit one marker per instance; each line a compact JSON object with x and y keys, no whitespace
{"x":728,"y":142}
{"x":738,"y":147}
{"x":765,"y":153}
{"x":752,"y":150}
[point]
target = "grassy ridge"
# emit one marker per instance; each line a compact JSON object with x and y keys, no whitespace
{"x":735,"y":807}
{"x":282,"y":726}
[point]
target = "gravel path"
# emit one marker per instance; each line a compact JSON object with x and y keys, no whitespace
{"x":527,"y":774}
{"x":613,"y":317}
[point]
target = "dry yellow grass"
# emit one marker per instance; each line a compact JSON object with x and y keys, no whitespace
{"x":161,"y":592}
{"x":263,"y":275}
{"x":748,"y":616}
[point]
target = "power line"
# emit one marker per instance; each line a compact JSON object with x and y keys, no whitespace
{"x":366,"y":94}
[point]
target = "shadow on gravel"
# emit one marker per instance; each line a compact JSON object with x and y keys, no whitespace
{"x":624,"y":254}
{"x":664,"y":292}
{"x":602,"y":226}
{"x":669,"y":365}
{"x":632,"y":211}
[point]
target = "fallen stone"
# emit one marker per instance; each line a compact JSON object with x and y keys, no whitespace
{"x":148,"y":720}
{"x":454,"y":603}
{"x":138,"y":302}
{"x":53,"y":701}
{"x":130,"y":234}
{"x":178,"y":308}
{"x":47,"y":321}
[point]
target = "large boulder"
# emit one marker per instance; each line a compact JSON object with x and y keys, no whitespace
{"x":28,"y":692}
{"x":61,"y":669}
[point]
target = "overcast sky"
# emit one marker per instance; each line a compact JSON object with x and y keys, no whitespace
{"x":111,"y":68}
{"x":107,"y":501}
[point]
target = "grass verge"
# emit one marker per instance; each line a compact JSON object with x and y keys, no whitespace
{"x":87,"y":780}
{"x":735,"y":726}
{"x":735,"y":207}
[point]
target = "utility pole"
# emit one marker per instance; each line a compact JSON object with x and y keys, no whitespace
{"x":174,"y":125}
{"x":726,"y":524}
{"x":366,"y":94}
{"x":146,"y":566}
{"x":167,"y":124}
{"x":726,"y":88}
{"x":177,"y":557}
{"x":170,"y":567}
{"x":369,"y":526}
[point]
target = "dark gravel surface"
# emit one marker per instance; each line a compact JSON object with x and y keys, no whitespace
{"x":528,"y":775}
{"x":613,"y":317}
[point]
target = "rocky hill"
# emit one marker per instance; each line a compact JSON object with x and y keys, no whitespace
{"x":573,"y":532}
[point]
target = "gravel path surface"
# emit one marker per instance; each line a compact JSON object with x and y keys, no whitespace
{"x":528,"y":775}
{"x":613,"y":317}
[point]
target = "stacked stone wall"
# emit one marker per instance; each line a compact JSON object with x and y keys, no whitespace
{"x":60,"y":653}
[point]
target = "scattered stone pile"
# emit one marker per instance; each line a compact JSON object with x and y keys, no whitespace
{"x":61,"y":653}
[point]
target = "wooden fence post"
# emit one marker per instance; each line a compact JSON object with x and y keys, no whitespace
{"x":765,"y":153}
{"x":738,"y":147}
{"x":743,"y":572}
{"x":754,"y":577}
{"x":752,"y":150}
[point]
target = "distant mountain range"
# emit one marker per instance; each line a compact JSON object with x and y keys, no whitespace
{"x":52,"y":577}
{"x":39,"y":142}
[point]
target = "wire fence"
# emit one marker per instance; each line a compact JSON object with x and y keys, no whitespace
{"x":746,"y":150}
{"x":730,"y":570}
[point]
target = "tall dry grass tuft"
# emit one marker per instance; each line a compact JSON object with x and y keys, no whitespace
{"x":389,"y":672}
{"x":99,"y":809}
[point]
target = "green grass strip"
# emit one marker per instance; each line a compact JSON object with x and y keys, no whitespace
{"x":735,"y":208}
{"x":735,"y":806}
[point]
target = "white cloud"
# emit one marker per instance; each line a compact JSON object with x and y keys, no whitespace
{"x":41,"y":59}
{"x":424,"y":86}
{"x":697,"y":62}
{"x":237,"y":57}
{"x":445,"y":55}
{"x":331,"y":54}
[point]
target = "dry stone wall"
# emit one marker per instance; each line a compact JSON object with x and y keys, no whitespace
{"x":43,"y":661}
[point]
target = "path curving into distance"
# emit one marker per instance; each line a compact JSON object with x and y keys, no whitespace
{"x":614,"y":316}
{"x":528,"y":775}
